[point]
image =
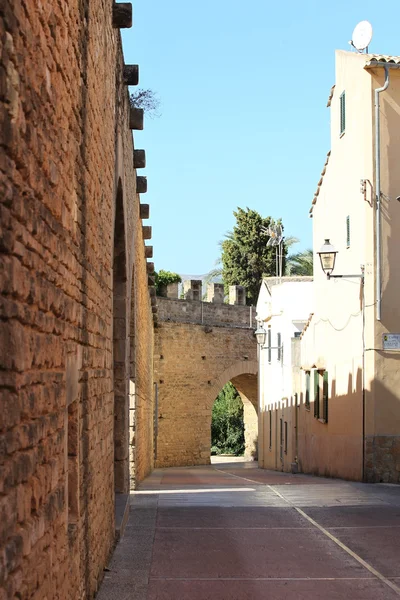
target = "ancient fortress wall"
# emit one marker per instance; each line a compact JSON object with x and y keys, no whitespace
{"x":72,"y":251}
{"x":193,"y":361}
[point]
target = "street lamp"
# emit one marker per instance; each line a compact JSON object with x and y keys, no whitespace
{"x":327,"y":255}
{"x":261,"y":335}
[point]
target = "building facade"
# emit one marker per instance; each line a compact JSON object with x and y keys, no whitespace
{"x":347,"y":377}
{"x":77,"y":321}
{"x":283,"y":308}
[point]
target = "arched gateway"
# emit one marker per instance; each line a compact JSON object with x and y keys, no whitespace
{"x":199,"y":347}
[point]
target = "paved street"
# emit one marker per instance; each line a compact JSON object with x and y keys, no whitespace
{"x":231,"y":531}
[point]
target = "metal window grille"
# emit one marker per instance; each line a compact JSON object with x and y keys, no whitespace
{"x":278,"y":343}
{"x":342,"y":112}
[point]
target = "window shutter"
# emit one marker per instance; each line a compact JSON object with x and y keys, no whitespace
{"x":342,"y":113}
{"x":308,"y":378}
{"x":279,"y":342}
{"x":325,"y":397}
{"x":348,"y":232}
{"x":316,"y":394}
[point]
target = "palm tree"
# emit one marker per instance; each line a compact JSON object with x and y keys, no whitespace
{"x":300,"y":263}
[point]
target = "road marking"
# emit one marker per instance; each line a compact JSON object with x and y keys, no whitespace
{"x":262,"y":578}
{"x":362,"y":562}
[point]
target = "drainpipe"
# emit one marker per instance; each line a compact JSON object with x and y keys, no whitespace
{"x":378,"y":194}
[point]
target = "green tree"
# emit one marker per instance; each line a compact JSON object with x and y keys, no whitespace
{"x":227,"y":427}
{"x":300,"y":263}
{"x":164,"y":278}
{"x":246,"y":258}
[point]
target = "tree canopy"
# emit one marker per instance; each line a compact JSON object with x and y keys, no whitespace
{"x":164,"y":278}
{"x":227,"y":427}
{"x":246,"y":258}
{"x":300,"y":263}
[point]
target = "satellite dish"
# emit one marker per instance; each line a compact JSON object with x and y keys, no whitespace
{"x":362,"y":36}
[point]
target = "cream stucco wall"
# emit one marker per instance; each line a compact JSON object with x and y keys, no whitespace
{"x":340,"y":334}
{"x":283,"y":308}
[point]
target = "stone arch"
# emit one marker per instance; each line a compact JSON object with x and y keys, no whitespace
{"x":243,"y":375}
{"x":244,"y":372}
{"x":120,"y":349}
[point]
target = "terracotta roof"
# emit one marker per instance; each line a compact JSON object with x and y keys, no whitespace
{"x":306,"y":326}
{"x":381,"y":58}
{"x":316,"y":194}
{"x":330,"y":96}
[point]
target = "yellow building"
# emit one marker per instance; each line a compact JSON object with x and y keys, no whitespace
{"x":348,"y":394}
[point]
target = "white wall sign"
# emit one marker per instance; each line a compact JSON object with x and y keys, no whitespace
{"x":391,"y":341}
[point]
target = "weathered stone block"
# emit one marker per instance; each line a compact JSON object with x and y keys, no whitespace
{"x":139,"y":159}
{"x":141,"y":184}
{"x":144,"y":211}
{"x":146,"y":232}
{"x":122,"y":15}
{"x":136,"y":118}
{"x":131,"y":75}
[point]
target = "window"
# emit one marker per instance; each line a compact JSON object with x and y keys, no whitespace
{"x":348,"y":232}
{"x":308,"y":383}
{"x":316,"y":394}
{"x":342,"y":113}
{"x":269,"y":345}
{"x":278,"y":343}
{"x":281,"y":439}
{"x":321,"y":395}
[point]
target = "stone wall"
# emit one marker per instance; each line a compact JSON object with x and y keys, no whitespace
{"x":192,"y":363}
{"x":66,"y":176}
{"x":206,"y":313}
{"x":382,"y":459}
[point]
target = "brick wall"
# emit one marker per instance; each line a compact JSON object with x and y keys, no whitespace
{"x":192,"y":364}
{"x":66,"y":153}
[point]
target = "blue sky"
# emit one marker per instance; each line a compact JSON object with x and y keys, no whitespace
{"x":243,"y":89}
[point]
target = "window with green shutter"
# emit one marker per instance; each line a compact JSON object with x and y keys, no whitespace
{"x":325,"y":396}
{"x":308,"y":385}
{"x":342,"y":113}
{"x":316,"y":394}
{"x":348,"y":232}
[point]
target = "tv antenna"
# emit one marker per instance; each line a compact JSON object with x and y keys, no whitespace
{"x":275,"y":234}
{"x":362,"y":36}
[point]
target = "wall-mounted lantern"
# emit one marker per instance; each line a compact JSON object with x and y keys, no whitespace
{"x":327,"y":255}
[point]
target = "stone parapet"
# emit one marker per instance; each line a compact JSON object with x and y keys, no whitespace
{"x":206,"y":313}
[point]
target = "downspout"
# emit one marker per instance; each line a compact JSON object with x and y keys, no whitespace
{"x":378,"y":194}
{"x":260,"y":449}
